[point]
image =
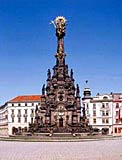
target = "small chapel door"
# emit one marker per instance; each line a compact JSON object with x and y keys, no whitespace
{"x":61,"y":122}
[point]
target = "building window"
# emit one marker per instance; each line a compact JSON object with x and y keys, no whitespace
{"x":19,"y":104}
{"x":94,"y":113}
{"x":25,"y":111}
{"x":19,"y":119}
{"x":39,"y":104}
{"x":115,"y":130}
{"x":103,"y":120}
{"x":107,"y":120}
{"x":103,"y":113}
{"x":12,"y":119}
{"x":94,"y":120}
{"x":103,"y":105}
{"x":87,"y":106}
{"x":12,"y":111}
{"x":12,"y":104}
{"x":94,"y":106}
{"x":117,"y":105}
{"x":32,"y":104}
{"x":117,"y":113}
{"x":106,"y":104}
{"x":107,"y":113}
{"x":25,"y":119}
{"x":25,"y":104}
{"x":32,"y":111}
{"x":117,"y":121}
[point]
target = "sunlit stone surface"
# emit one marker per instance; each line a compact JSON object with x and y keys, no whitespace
{"x":93,"y":150}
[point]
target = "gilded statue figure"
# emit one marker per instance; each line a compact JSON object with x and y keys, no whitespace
{"x":59,"y":23}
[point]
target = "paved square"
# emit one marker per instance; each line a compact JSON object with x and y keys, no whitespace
{"x":92,"y":150}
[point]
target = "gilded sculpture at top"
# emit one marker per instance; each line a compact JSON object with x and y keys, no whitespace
{"x":60,"y":26}
{"x":59,"y":23}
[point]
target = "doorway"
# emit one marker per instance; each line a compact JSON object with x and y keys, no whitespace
{"x":61,"y":122}
{"x":105,"y":131}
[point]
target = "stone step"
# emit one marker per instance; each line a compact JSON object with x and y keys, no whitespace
{"x":62,"y":135}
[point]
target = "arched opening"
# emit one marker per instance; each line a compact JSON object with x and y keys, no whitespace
{"x":105,"y":97}
{"x":14,"y":130}
{"x":105,"y":131}
{"x":61,"y":122}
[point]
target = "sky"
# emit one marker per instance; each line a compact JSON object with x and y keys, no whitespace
{"x":93,"y":44}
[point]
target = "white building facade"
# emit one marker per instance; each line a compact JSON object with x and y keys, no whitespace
{"x":4,"y":120}
{"x":117,"y":114}
{"x":99,"y":111}
{"x":20,"y":112}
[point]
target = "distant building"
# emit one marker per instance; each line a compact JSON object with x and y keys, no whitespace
{"x":17,"y":113}
{"x":4,"y":120}
{"x":117,"y":114}
{"x":98,"y":111}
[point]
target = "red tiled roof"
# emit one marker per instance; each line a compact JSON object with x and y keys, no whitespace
{"x":28,"y":98}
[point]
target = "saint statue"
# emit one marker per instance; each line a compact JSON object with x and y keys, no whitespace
{"x":43,"y":89}
{"x":77,"y":90}
{"x":59,"y":23}
{"x":48,"y":74}
{"x":71,"y":74}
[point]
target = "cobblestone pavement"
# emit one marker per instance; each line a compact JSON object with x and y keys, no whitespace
{"x":90,"y":150}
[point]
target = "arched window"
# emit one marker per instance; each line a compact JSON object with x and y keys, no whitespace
{"x":105,"y":97}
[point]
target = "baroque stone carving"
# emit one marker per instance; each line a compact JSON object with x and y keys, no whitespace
{"x":60,"y":109}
